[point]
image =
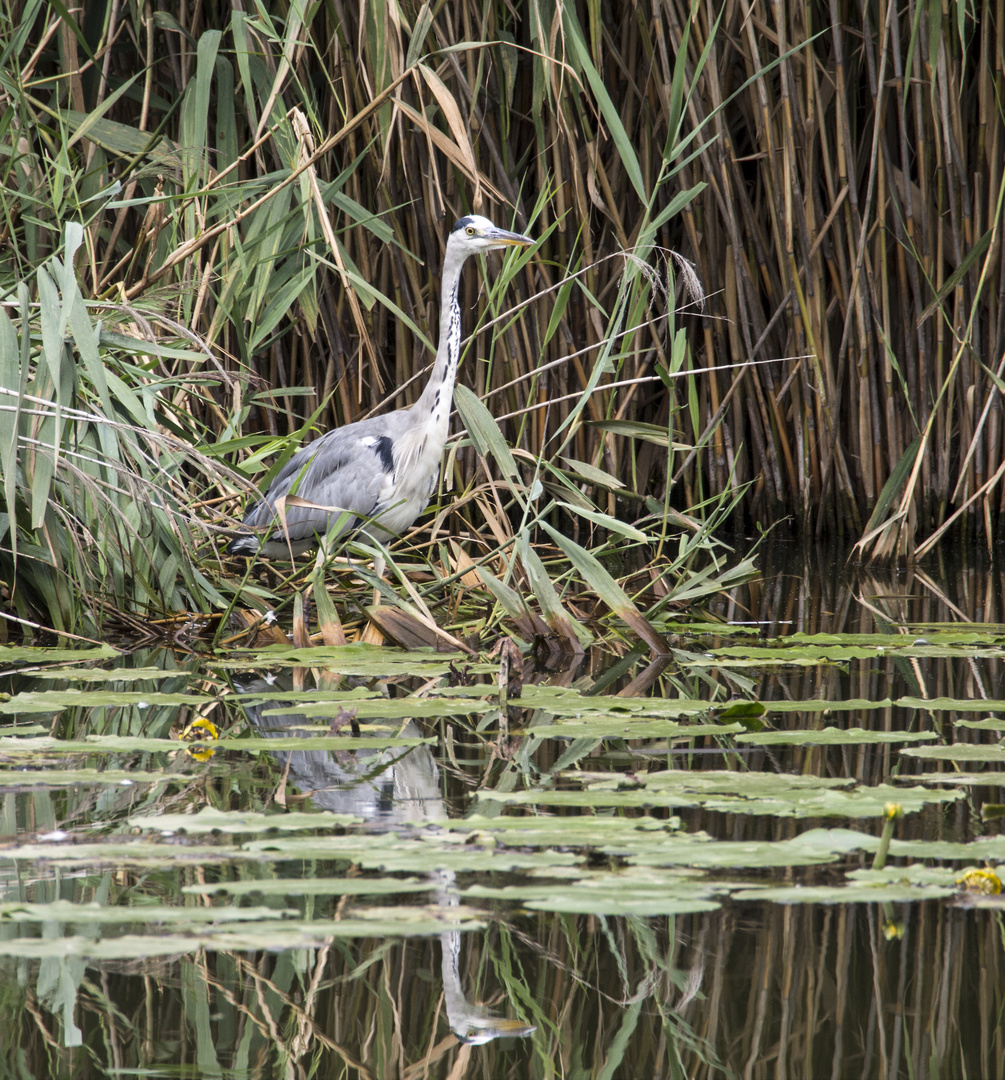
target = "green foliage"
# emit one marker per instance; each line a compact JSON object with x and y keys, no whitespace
{"x":99,"y":459}
{"x":216,"y":230}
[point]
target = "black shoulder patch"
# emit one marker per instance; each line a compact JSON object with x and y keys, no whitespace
{"x":243,"y":545}
{"x":462,"y":224}
{"x":384,"y":449}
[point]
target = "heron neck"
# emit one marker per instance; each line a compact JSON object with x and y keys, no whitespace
{"x":440,"y":387}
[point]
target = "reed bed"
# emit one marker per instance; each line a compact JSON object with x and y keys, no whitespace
{"x":851,"y":224}
{"x":770,"y":271}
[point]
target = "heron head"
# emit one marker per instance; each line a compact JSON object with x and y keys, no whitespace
{"x":475,"y":233}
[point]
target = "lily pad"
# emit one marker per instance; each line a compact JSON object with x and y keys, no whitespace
{"x":122,"y":853}
{"x":985,"y":849}
{"x":210,"y":819}
{"x":631,"y":893}
{"x":832,"y":736}
{"x":34,"y":655}
{"x":815,"y":846}
{"x":273,"y":935}
{"x":824,"y":705}
{"x":24,"y":778}
{"x":914,"y":874}
{"x":371,"y":661}
{"x":957,"y":779}
{"x":49,"y":701}
{"x":407,"y":708}
{"x":892,"y":893}
{"x":944,"y":704}
{"x":113,"y":674}
{"x":991,"y":723}
{"x":629,"y":728}
{"x":106,"y":915}
{"x":110,"y":744}
{"x":394,"y":854}
{"x":313,"y":886}
{"x":779,"y":795}
{"x":993,"y":754}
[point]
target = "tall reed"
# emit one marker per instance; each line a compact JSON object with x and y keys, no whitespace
{"x":280,"y":184}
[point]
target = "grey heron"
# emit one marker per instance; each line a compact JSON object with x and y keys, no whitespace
{"x":382,"y":470}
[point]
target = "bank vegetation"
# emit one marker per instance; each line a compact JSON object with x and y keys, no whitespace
{"x":768,"y":287}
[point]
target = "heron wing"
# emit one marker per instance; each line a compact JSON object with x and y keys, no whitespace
{"x":347,"y":469}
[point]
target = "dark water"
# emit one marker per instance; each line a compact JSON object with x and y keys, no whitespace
{"x":751,"y":989}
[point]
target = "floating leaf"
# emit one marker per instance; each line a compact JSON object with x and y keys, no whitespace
{"x":991,"y":723}
{"x":105,"y":915}
{"x":633,"y":892}
{"x":310,"y":886}
{"x":739,"y":793}
{"x":48,"y":701}
{"x":11,"y":655}
{"x":42,"y":777}
{"x":846,"y":894}
{"x":831,"y":736}
{"x":273,"y":935}
{"x":360,"y":659}
{"x":992,"y":754}
{"x":210,"y":819}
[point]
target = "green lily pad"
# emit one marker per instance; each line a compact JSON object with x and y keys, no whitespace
{"x":546,"y":831}
{"x":124,"y":853}
{"x":113,"y":674}
{"x":24,"y":778}
{"x":313,"y":886}
{"x":737,"y":793}
{"x":101,"y":744}
{"x":273,"y":935}
{"x":824,"y":705}
{"x":563,"y":701}
{"x":111,"y":744}
{"x":408,"y":708}
{"x":993,"y":753}
{"x":108,"y":915}
{"x":372,"y":661}
{"x":48,"y":701}
{"x":944,"y":704}
{"x":31,"y":654}
{"x":831,"y":736}
{"x":627,"y":893}
{"x":815,"y":846}
{"x":394,"y":854}
{"x":210,"y":819}
{"x":915,"y":874}
{"x":629,"y":728}
{"x":985,"y":849}
{"x":957,"y":779}
{"x":846,"y":894}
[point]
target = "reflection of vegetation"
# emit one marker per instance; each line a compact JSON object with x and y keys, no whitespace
{"x":233,"y":913}
{"x":802,"y":986}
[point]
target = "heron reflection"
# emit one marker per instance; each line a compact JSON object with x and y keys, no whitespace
{"x":389,"y":789}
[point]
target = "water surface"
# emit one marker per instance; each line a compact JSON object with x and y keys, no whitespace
{"x":382,"y":869}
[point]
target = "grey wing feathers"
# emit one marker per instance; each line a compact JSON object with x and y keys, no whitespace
{"x":346,"y":468}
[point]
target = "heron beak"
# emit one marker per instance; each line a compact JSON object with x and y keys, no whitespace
{"x":509,"y":239}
